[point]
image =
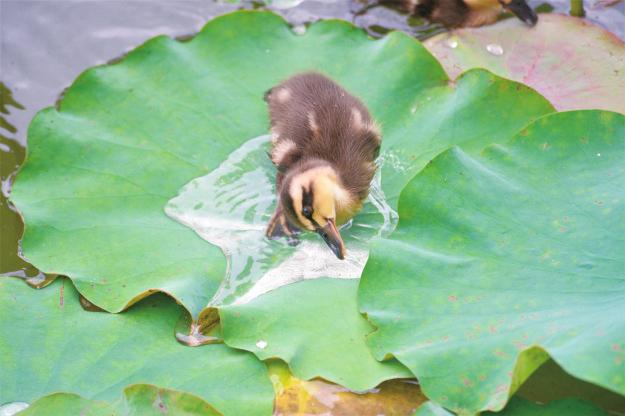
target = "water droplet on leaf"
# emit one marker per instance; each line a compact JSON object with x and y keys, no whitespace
{"x":299,"y":29}
{"x":494,"y":49}
{"x":451,"y":43}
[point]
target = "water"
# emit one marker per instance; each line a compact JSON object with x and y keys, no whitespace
{"x":230,"y":208}
{"x":494,"y":49}
{"x":10,"y":409}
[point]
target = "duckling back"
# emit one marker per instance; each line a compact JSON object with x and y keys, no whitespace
{"x":312,"y":117}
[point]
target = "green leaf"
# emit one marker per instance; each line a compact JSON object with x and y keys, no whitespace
{"x":68,"y":404}
{"x":128,"y":136}
{"x":583,"y":71}
{"x":520,"y":407}
{"x":137,"y":400}
{"x":500,"y":256}
{"x":50,"y":344}
{"x":315,"y":326}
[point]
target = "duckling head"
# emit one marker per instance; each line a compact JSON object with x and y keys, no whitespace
{"x":521,"y":10}
{"x":313,"y":199}
{"x":486,"y":11}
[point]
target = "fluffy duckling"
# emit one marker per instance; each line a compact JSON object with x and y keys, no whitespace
{"x":324,"y":145}
{"x":465,"y":13}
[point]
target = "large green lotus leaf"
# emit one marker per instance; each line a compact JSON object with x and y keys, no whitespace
{"x":137,"y":400}
{"x":499,"y":258}
{"x":572,"y":62}
{"x":128,"y":136}
{"x":520,"y":407}
{"x":315,"y":326}
{"x":50,"y":344}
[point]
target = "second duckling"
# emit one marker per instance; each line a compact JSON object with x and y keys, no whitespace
{"x":324,"y":146}
{"x":462,"y":13}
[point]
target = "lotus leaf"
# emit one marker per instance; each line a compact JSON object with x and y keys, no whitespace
{"x":50,"y":344}
{"x":138,"y":400}
{"x":520,"y":407}
{"x":583,"y":71}
{"x":501,"y":258}
{"x":127,"y":137}
{"x":315,"y":326}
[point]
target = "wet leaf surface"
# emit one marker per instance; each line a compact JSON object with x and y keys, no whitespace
{"x":572,"y":62}
{"x":499,"y":256}
{"x":128,"y":136}
{"x":230,"y":207}
{"x":50,"y":344}
{"x":315,"y":326}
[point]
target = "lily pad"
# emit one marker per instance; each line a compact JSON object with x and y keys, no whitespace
{"x":520,"y":407}
{"x":314,"y":326}
{"x":137,"y":400}
{"x":128,"y":136}
{"x":50,"y":344}
{"x":398,"y":397}
{"x":500,"y":257}
{"x":572,"y":62}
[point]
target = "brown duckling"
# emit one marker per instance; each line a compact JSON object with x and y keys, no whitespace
{"x":464,"y":13}
{"x":324,"y":145}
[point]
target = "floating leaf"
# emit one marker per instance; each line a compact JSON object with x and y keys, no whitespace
{"x":572,"y":62}
{"x":315,"y":326}
{"x":50,"y":344}
{"x":128,"y":136}
{"x":137,"y":400}
{"x":319,"y":397}
{"x":520,"y":407}
{"x":498,"y":257}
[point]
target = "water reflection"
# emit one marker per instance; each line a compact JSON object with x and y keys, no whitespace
{"x":230,"y":208}
{"x":12,"y":155}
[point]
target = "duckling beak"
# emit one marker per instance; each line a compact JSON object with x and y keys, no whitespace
{"x":521,"y":10}
{"x":331,"y":236}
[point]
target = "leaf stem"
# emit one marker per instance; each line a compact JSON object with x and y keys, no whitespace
{"x":577,"y":8}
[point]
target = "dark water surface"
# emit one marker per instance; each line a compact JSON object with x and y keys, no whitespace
{"x":45,"y":45}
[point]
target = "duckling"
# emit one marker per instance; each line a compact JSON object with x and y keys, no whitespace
{"x":463,"y":13}
{"x":323,"y":144}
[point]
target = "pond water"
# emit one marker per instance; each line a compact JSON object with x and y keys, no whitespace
{"x":46,"y":44}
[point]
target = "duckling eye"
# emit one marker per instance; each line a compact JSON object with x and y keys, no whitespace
{"x":307,"y":212}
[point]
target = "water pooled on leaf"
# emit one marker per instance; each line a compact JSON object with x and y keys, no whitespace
{"x":230,"y":208}
{"x":40,"y":280}
{"x":10,"y":409}
{"x":299,"y":29}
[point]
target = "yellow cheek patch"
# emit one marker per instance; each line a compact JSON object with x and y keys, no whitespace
{"x":330,"y":199}
{"x":482,"y":4}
